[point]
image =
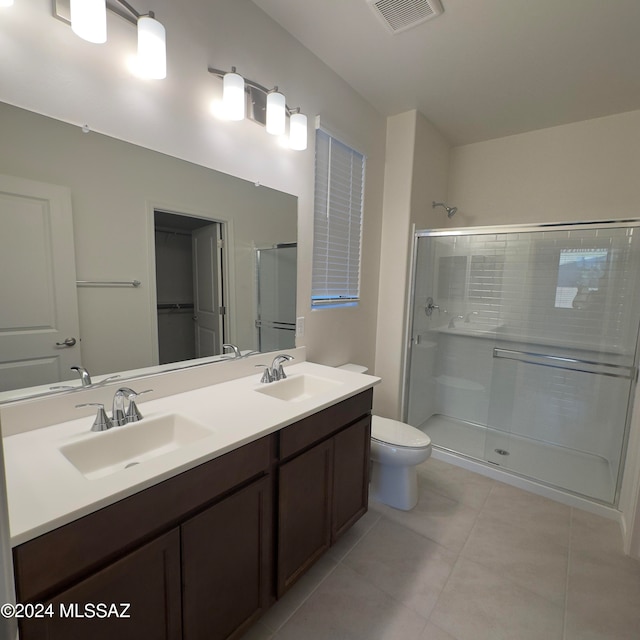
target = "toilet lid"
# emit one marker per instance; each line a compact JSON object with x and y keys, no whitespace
{"x":398,"y":433}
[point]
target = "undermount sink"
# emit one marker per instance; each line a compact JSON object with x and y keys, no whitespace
{"x":298,"y":387}
{"x":120,"y":448}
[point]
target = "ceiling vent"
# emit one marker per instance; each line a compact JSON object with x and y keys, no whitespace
{"x":399,"y":15}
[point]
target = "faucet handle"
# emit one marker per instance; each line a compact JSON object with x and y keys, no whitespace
{"x":133,"y":413}
{"x":102,"y":421}
{"x":266,"y":375}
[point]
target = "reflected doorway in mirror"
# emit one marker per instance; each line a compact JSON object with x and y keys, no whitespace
{"x":189,"y":286}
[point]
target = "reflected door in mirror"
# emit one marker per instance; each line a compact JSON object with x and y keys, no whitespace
{"x":188,"y":255}
{"x":39,"y":329}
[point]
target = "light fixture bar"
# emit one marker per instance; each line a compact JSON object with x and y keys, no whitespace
{"x":264,"y":106}
{"x":131,"y":10}
{"x":151,"y":61}
{"x":62,"y":11}
{"x":251,"y":84}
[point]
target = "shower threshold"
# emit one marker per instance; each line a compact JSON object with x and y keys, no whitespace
{"x":562,"y":468}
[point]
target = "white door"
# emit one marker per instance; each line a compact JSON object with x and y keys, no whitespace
{"x":206,"y":290}
{"x":39,"y":329}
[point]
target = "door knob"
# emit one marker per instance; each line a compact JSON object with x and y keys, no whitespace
{"x":68,"y":342}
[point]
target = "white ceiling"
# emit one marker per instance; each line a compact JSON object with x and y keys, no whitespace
{"x":484,"y":68}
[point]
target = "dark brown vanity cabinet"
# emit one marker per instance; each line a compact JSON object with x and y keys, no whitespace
{"x":227,"y":558}
{"x":322,"y":485}
{"x":202,"y":555}
{"x":136,"y":597}
{"x":192,"y":555}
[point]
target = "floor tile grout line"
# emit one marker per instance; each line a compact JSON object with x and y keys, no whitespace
{"x":444,"y":586}
{"x":303,"y":601}
{"x":360,"y":539}
{"x":425,"y":536}
{"x":489,"y":568}
{"x":432,"y":486}
{"x":457,"y":560}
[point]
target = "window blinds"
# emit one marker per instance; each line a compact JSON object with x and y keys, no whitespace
{"x":337,"y":229}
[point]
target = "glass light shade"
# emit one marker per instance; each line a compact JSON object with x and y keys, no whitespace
{"x":298,"y":131}
{"x":233,"y":97}
{"x":152,"y":48}
{"x":89,"y":19}
{"x":6,"y":3}
{"x":276,"y":113}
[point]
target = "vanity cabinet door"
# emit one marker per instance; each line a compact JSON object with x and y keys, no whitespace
{"x":350,"y":476}
{"x":227,"y":564}
{"x":147,"y":579}
{"x":304,"y":516}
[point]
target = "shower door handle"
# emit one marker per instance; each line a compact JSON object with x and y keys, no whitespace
{"x":609,"y":369}
{"x":429,"y":306}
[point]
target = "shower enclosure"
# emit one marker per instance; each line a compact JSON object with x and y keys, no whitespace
{"x":523,"y":349}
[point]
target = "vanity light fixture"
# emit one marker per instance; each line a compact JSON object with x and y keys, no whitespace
{"x":88,"y":19}
{"x":233,"y":98}
{"x":152,"y":47}
{"x":242,"y":98}
{"x":276,"y":113}
{"x":298,"y":131}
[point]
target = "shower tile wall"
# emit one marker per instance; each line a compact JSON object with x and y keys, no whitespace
{"x":527,"y":304}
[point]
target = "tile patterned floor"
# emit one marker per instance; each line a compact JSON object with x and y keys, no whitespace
{"x":475,"y":560}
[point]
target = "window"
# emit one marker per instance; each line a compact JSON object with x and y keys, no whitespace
{"x":580,"y":272}
{"x":337,"y":228}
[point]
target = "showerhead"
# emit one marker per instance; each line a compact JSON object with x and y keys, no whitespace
{"x":451,"y":211}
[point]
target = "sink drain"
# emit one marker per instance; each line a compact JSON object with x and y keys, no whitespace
{"x":131,"y":464}
{"x":502,"y":452}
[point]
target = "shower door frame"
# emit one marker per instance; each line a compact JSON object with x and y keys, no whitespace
{"x":505,"y":229}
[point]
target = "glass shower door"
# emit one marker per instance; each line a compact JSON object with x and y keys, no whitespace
{"x":276,"y":278}
{"x":453,"y":332}
{"x":564,"y":365}
{"x":523,"y":349}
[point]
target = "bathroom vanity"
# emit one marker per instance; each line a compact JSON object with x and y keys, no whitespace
{"x":203,"y":553}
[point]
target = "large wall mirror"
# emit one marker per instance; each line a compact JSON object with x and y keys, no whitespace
{"x":161,"y":260}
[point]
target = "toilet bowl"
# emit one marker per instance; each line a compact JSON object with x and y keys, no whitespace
{"x":396,"y":449}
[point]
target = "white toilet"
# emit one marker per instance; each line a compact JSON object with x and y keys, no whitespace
{"x":396,"y":449}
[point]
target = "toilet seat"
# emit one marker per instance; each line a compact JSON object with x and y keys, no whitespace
{"x":398,"y":434}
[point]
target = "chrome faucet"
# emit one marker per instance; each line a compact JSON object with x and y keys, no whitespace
{"x":85,"y":378}
{"x":277,"y":372}
{"x":452,"y":322}
{"x":232,"y":347}
{"x":119,"y":416}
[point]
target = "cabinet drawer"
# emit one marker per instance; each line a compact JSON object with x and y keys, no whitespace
{"x":321,"y":425}
{"x":57,"y":559}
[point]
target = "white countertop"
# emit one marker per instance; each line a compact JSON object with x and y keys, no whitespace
{"x":45,"y":490}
